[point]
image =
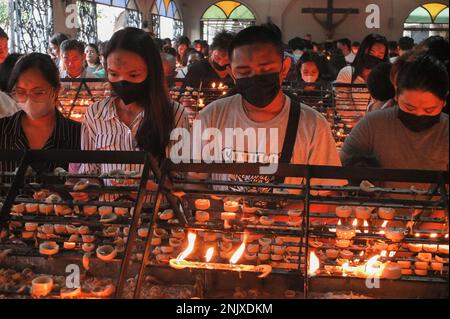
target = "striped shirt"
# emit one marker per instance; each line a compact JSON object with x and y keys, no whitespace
{"x":66,"y":136}
{"x":102,"y":130}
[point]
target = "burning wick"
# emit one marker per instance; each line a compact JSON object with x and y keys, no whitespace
{"x":355,"y":224}
{"x":381,"y":232}
{"x":213,"y":85}
{"x":314,"y":264}
{"x":209,"y":254}
{"x":339,"y":222}
{"x":190,"y":247}
{"x":366,"y":225}
{"x":417,"y":235}
{"x":433,"y":235}
{"x":201,"y":103}
{"x":238,"y":253}
{"x":392,"y":254}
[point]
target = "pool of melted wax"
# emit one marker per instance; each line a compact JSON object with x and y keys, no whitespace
{"x":153,"y":289}
{"x":266,"y":294}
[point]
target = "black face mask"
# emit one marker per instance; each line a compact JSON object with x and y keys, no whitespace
{"x":418,"y":123}
{"x":259,"y":90}
{"x":131,"y":92}
{"x":371,"y":61}
{"x":219,"y":67}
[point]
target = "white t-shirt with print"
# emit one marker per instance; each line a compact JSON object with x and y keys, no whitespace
{"x":314,"y":142}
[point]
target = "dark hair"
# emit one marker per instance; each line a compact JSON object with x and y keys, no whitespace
{"x":159,"y":44}
{"x":102,"y":48}
{"x":346,"y":42}
{"x":58,"y":38}
{"x":392,"y":45}
{"x":183,"y":40}
{"x":266,"y":34}
{"x":222,"y":41}
{"x":320,"y":61}
{"x":167,"y":42}
{"x":41,"y":62}
{"x":6,"y":69}
{"x":95,"y":47}
{"x":356,"y":44}
{"x":379,"y":83}
{"x":406,"y":43}
{"x":72,"y":44}
{"x":154,"y":133}
{"x":3,"y":34}
{"x":297,"y":44}
{"x":368,"y":42}
{"x":438,"y":47}
{"x":418,"y":71}
{"x":171,"y":51}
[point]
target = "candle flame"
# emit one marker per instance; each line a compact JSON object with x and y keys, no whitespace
{"x":213,"y":85}
{"x":209,"y":254}
{"x":369,"y":269}
{"x":446,"y":236}
{"x":190,"y":247}
{"x":361,"y":253}
{"x":384,"y":224}
{"x":339,"y":222}
{"x":433,"y":235}
{"x":355,"y":222}
{"x":383,"y":253}
{"x":345,"y":267}
{"x":392,"y":253}
{"x":417,"y":235}
{"x":314,"y":263}
{"x":238,"y":253}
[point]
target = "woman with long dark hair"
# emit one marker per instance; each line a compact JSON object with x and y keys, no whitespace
{"x":139,"y":115}
{"x":373,"y":51}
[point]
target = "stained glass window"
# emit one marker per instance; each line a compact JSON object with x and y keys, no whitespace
{"x":167,"y":20}
{"x":427,"y":20}
{"x":226,"y":15}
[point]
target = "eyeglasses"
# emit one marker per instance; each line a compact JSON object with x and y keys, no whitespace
{"x":38,"y":95}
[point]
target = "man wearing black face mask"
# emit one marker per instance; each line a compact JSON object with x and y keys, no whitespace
{"x":215,"y":69}
{"x":286,"y":132}
{"x":414,"y":134}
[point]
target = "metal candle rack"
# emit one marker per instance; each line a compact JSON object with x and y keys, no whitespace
{"x":343,"y":105}
{"x":55,"y":183}
{"x":308,"y":231}
{"x":77,"y":95}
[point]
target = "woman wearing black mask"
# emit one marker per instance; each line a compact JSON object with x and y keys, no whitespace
{"x":139,"y":116}
{"x":373,"y":51}
{"x":414,"y":134}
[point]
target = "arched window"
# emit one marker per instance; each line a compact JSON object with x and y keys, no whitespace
{"x":166,"y":19}
{"x":225,"y":15}
{"x":427,"y":20}
{"x":31,"y":24}
{"x":99,"y":19}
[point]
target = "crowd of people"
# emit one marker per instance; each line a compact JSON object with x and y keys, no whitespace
{"x":405,"y":127}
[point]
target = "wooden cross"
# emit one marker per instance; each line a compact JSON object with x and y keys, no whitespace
{"x":330,"y":10}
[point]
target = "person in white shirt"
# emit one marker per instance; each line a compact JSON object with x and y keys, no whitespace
{"x":140,"y":116}
{"x":259,"y":68}
{"x":346,"y":48}
{"x":354,"y":101}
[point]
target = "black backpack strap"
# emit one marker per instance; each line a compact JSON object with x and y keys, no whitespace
{"x":290,"y":136}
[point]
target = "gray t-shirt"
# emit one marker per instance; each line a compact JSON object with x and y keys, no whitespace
{"x":383,"y":135}
{"x":314,"y":142}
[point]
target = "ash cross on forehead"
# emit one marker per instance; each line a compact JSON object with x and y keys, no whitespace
{"x":328,"y":25}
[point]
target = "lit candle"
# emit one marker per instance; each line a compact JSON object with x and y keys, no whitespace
{"x":213,"y":85}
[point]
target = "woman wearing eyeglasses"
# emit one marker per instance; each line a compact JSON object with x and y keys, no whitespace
{"x":34,"y":84}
